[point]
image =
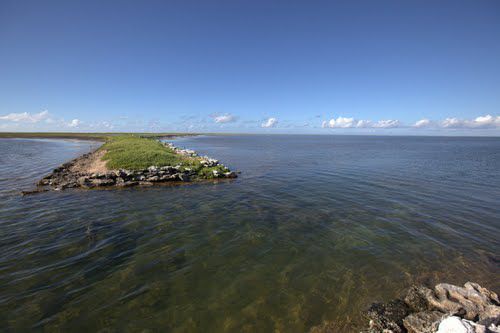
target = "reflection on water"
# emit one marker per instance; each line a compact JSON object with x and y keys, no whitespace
{"x":314,"y":229}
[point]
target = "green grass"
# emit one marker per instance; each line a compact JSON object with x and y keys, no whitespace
{"x":133,"y":152}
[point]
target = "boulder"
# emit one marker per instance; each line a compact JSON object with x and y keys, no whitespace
{"x":468,"y":309}
{"x":82,"y":181}
{"x":102,"y":182}
{"x":388,"y":316}
{"x":471,"y":301}
{"x":230,"y":174}
{"x":423,"y":322}
{"x":416,"y":298}
{"x":165,"y":177}
{"x":44,"y":181}
{"x":127,"y":184}
{"x":167,"y":169}
{"x":184,"y":177}
{"x":153,"y":179}
{"x":455,"y":325}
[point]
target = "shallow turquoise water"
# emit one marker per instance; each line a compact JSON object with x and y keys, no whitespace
{"x":314,"y":229}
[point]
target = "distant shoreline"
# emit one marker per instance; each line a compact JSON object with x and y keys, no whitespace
{"x":84,"y":136}
{"x":102,"y":136}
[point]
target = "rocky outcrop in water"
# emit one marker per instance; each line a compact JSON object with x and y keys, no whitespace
{"x":445,"y":309}
{"x":72,"y":175}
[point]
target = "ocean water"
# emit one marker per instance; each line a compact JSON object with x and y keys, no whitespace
{"x":315,"y":229}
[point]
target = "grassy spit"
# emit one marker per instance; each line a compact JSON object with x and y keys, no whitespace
{"x":136,"y":152}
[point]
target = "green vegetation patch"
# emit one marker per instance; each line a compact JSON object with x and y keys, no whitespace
{"x":208,"y":172}
{"x":133,"y":152}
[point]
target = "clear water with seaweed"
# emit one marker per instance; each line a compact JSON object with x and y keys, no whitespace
{"x":314,"y":229}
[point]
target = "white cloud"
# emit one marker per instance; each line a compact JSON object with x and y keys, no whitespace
{"x":422,"y":123}
{"x":452,"y":123}
{"x":363,"y":124}
{"x":481,"y":122}
{"x":26,"y":117}
{"x":487,"y":121}
{"x":270,"y":122}
{"x":344,"y":122}
{"x":386,"y":123}
{"x":74,"y":123}
{"x":224,"y":118}
{"x":341,"y":122}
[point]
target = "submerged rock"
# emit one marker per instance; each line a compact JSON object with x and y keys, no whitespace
{"x":416,"y":298}
{"x":33,"y":191}
{"x":230,"y":174}
{"x":388,"y":316}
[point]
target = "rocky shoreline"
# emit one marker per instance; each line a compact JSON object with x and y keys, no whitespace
{"x":444,"y":309}
{"x":78,"y":174}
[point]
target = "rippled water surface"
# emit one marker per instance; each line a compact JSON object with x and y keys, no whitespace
{"x":314,"y":229}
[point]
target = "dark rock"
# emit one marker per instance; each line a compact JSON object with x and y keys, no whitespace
{"x":82,"y":181}
{"x":110,"y":175}
{"x":388,"y":316}
{"x":102,"y":182}
{"x":184,"y":177}
{"x":175,"y":176}
{"x":165,"y":178}
{"x":490,"y":321}
{"x":43,"y":182}
{"x":153,"y":179}
{"x":416,"y":298}
{"x":38,"y":190}
{"x":127,"y":184}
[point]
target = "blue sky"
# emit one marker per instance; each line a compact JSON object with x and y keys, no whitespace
{"x":251,"y":66}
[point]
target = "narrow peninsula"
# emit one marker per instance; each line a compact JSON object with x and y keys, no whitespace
{"x":133,"y":160}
